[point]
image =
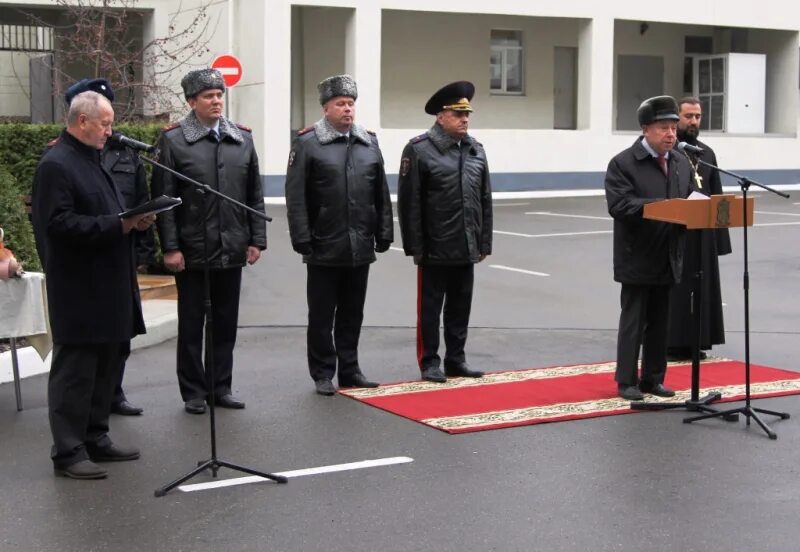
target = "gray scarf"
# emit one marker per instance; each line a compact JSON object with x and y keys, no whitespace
{"x":444,"y":141}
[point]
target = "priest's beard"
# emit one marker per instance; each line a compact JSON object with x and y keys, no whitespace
{"x":689,"y":134}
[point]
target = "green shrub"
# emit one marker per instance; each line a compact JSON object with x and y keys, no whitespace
{"x":15,"y":223}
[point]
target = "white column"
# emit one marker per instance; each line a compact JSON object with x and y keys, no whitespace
{"x":596,"y":76}
{"x":277,"y":87}
{"x":363,"y":61}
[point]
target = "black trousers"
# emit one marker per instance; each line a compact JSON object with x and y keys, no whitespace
{"x":336,"y":298}
{"x":450,"y":286}
{"x":125,"y":352}
{"x":79,"y":392}
{"x":225,"y":287}
{"x":643,"y":321}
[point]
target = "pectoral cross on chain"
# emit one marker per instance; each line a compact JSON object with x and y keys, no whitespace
{"x":698,"y":180}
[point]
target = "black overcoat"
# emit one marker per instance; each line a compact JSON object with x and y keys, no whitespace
{"x":701,"y":254}
{"x":444,"y":199}
{"x":92,"y":292}
{"x":337,"y":197}
{"x":646,"y":252}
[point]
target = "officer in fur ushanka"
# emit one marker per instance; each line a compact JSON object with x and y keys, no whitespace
{"x":340,"y":214}
{"x":211,"y":149}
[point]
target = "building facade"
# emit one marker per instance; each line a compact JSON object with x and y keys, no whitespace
{"x":557,"y":84}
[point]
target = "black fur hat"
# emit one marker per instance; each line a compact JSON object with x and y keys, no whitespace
{"x":658,"y":108}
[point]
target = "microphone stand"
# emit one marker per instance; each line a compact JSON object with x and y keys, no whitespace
{"x":748,"y":411}
{"x":213,"y":463}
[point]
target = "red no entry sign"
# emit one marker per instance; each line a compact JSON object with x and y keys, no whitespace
{"x":230,"y":68}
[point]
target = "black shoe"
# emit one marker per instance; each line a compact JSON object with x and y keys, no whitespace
{"x":658,"y":390}
{"x":195,"y":406}
{"x":630,"y":392}
{"x":228,"y":401}
{"x":124,"y":408}
{"x":356,"y":380}
{"x":113,"y":453}
{"x":462,"y":371}
{"x":85,"y":469}
{"x":432,"y":373}
{"x":325,"y":387}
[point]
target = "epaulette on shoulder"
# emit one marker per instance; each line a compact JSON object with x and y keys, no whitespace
{"x":53,"y":142}
{"x":171,"y":127}
{"x":244,"y":127}
{"x":305,"y":130}
{"x":420,"y":138}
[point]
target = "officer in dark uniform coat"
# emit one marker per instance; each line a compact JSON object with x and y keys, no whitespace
{"x":340,"y":214}
{"x":93,"y":299}
{"x":445,"y":204}
{"x":648,"y":255}
{"x":703,"y":248}
{"x":211,"y":149}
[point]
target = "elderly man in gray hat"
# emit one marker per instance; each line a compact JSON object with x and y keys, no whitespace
{"x":648,"y":254}
{"x":340,"y":214}
{"x":211,"y":149}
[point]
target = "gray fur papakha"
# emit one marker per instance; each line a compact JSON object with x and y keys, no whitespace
{"x":201,"y":79}
{"x":337,"y":85}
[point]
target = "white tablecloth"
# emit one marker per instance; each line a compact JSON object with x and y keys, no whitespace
{"x":23,"y":311}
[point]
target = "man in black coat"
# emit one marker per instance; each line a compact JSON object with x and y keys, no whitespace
{"x":703,"y":248}
{"x":445,"y":204}
{"x":211,"y":149}
{"x":648,"y":255}
{"x":127,"y":171}
{"x":93,"y":298}
{"x":340,"y":214}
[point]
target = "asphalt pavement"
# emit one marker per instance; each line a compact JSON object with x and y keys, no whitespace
{"x":546,"y":296}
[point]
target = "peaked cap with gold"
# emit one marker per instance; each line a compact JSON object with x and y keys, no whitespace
{"x":455,"y":96}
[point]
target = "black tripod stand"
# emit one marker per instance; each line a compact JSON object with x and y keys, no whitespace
{"x":695,"y":403}
{"x":213,"y":463}
{"x":746,"y":410}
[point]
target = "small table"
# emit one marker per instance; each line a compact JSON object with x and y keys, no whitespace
{"x":23,"y":303}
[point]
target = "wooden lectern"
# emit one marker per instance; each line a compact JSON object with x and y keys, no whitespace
{"x":706,"y":212}
{"x":718,"y":211}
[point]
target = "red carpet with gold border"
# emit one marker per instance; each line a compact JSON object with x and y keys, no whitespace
{"x":556,"y":394}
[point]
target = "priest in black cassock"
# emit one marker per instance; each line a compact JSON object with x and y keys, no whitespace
{"x":714,"y":242}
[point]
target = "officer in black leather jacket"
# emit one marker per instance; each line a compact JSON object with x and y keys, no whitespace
{"x":445,"y":207}
{"x":211,"y":149}
{"x":339,"y":214}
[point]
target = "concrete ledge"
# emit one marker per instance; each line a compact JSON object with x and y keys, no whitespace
{"x":160,"y":318}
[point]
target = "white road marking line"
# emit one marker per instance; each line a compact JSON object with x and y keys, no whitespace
{"x":778,"y":224}
{"x":400,"y":249}
{"x":777,"y":213}
{"x":298,"y":473}
{"x":511,"y":269}
{"x":509,"y":204}
{"x":553,"y":235}
{"x":567,"y":215}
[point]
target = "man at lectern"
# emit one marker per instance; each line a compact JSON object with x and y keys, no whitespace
{"x":648,"y":254}
{"x":710,"y":242}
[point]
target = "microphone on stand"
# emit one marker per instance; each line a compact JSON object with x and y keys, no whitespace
{"x":683,"y":146}
{"x":130,"y":142}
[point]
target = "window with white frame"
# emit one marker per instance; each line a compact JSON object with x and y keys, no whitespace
{"x":506,"y":62}
{"x":711,"y":91}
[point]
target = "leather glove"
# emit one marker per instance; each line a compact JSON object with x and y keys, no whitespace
{"x":304,"y":248}
{"x":382,"y":245}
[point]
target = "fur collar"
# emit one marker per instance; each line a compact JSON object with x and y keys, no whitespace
{"x":444,"y":141}
{"x":193,"y":129}
{"x":327,"y":134}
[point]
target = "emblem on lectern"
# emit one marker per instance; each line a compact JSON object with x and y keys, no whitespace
{"x":724,"y":212}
